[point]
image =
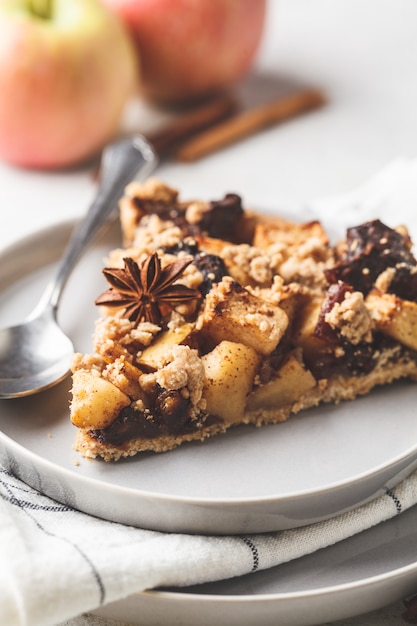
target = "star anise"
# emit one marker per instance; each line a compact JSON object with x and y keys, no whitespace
{"x":145,"y":291}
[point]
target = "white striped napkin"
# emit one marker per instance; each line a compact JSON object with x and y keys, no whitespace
{"x":57,"y":563}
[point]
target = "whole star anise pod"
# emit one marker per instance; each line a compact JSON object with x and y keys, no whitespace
{"x":142,"y":291}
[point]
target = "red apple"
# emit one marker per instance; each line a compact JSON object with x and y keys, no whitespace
{"x":67,"y":69}
{"x":190,"y":48}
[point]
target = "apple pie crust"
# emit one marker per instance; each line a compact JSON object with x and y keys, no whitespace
{"x":217,"y":315}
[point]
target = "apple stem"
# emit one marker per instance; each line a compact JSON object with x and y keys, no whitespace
{"x":41,"y":8}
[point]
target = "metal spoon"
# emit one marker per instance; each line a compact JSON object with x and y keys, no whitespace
{"x":36,"y":354}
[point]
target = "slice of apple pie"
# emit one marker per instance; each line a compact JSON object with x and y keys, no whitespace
{"x":216,"y":316}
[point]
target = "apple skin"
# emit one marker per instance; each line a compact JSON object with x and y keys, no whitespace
{"x":191,"y":48}
{"x":64,"y":82}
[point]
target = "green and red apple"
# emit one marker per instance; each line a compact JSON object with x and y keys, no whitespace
{"x":67,"y":70}
{"x":192,"y":48}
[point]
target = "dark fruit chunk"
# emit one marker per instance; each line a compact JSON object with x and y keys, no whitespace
{"x":130,"y":424}
{"x":353,"y":360}
{"x":172,"y":407}
{"x":169,"y":417}
{"x":341,"y":357}
{"x":221,"y":219}
{"x":371,"y":248}
{"x":404,"y":282}
{"x":189,"y":246}
{"x":212,"y":268}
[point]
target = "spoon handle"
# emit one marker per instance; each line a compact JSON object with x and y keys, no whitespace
{"x":122,"y":161}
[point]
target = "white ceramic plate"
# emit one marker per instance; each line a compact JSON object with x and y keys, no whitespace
{"x":312,"y":467}
{"x":358,"y":575}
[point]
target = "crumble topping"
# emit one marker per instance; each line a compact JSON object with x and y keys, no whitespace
{"x":254,"y":315}
{"x":351,"y":318}
{"x":182,"y":370}
{"x":154,"y":233}
{"x":384,"y":280}
{"x":87,"y":362}
{"x":114,"y":330}
{"x":195,"y":212}
{"x":307,"y":263}
{"x":247,"y":263}
{"x":152,"y":190}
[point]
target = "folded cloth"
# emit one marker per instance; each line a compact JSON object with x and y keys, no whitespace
{"x":57,"y":563}
{"x":390,"y":195}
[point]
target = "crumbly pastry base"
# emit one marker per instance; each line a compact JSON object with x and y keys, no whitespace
{"x":283,"y":322}
{"x":338,"y":389}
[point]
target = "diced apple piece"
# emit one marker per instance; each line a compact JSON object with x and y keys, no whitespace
{"x":291,"y":302}
{"x":305,"y":326}
{"x":96,"y":401}
{"x":125,"y":376}
{"x":153,"y":357}
{"x":291,"y":382}
{"x":211,"y":245}
{"x":229,"y":372}
{"x":232,"y":313}
{"x":394,"y":317}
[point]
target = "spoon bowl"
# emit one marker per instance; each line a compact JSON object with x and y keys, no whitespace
{"x":36,"y":354}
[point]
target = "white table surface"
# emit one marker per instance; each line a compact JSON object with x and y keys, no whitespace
{"x":361,"y":53}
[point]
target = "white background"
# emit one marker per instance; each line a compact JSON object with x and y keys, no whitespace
{"x":361,"y":53}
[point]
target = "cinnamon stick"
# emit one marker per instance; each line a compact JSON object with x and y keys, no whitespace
{"x":248,"y":122}
{"x":187,"y":124}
